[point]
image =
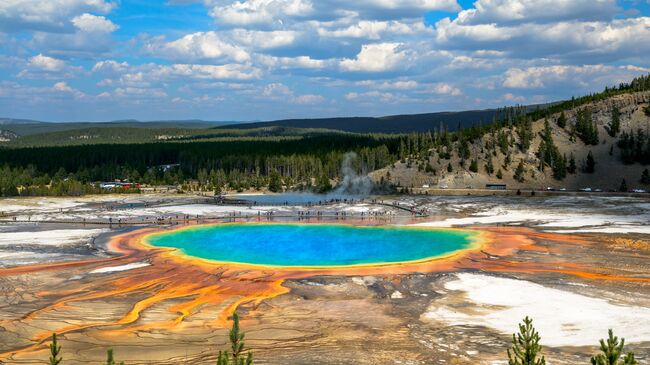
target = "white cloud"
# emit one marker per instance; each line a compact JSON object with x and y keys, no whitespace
{"x":280,"y":92}
{"x":300,"y":62}
{"x":279,"y":13}
{"x":618,"y":39}
{"x":54,"y":15}
{"x":46,"y":63}
{"x":378,"y":57}
{"x":93,"y":23}
{"x":579,"y":77}
{"x":110,"y":66}
{"x":376,"y":29}
{"x":213,"y":72}
{"x":264,"y":40}
{"x":512,"y":98}
{"x":276,"y":90}
{"x":445,"y":89}
{"x":199,"y":46}
{"x":308,"y":99}
{"x":260,"y":11}
{"x":140,"y":93}
{"x":536,"y":11}
{"x":45,"y":67}
{"x":422,"y":5}
{"x":373,"y":96}
{"x":62,"y":87}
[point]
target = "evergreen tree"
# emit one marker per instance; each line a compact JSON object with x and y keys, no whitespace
{"x":525,"y":346}
{"x":450,"y":168}
{"x":499,"y":174}
{"x":572,"y":168}
{"x":236,"y":337}
{"x":519,"y":172}
{"x":614,"y":125}
{"x":561,"y":120}
{"x":110,"y":360}
{"x":586,"y":128}
{"x":623,"y":187}
{"x":612,"y":351}
{"x":590,"y":165}
{"x":548,"y":152}
{"x":489,"y":166}
{"x":324,"y":184}
{"x":645,"y":177}
{"x":559,"y":167}
{"x":275,"y":182}
{"x":525,"y":132}
{"x":55,"y":352}
{"x":473,"y":166}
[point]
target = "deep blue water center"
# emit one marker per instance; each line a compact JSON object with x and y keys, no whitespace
{"x":312,"y":244}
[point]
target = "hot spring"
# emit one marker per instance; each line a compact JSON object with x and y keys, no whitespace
{"x":312,"y":245}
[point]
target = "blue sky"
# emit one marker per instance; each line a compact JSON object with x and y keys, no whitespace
{"x":98,"y":60}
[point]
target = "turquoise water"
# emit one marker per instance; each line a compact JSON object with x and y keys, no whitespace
{"x":312,"y":244}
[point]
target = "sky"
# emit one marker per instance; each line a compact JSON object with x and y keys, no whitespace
{"x":241,"y":60}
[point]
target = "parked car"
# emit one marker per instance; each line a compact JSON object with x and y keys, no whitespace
{"x":639,"y":191}
{"x":587,"y":190}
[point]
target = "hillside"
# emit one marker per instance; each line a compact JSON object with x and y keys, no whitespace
{"x":407,"y":123}
{"x":131,"y":135}
{"x":25,"y":127}
{"x":502,"y":145}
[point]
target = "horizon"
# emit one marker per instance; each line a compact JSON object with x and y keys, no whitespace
{"x":262,"y":60}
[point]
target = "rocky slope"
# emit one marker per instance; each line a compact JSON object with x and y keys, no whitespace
{"x":609,"y":168}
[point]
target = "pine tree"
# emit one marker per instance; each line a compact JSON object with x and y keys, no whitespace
{"x":324,"y":184}
{"x":450,"y":168}
{"x":525,"y":346}
{"x":55,"y":352}
{"x":559,"y":167}
{"x":572,"y":168}
{"x":275,"y":182}
{"x":590,"y":165}
{"x":473,"y":166}
{"x":645,"y":177}
{"x":110,"y":360}
{"x":612,"y":350}
{"x":236,"y":337}
{"x":614,"y":125}
{"x":489,"y":166}
{"x":623,"y":187}
{"x":519,"y":172}
{"x":561,"y":121}
{"x":499,"y":174}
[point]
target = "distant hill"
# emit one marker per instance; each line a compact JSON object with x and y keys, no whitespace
{"x":26,"y":127}
{"x":406,"y":123}
{"x":6,"y":121}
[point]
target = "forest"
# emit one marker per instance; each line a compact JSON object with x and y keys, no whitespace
{"x":238,"y":164}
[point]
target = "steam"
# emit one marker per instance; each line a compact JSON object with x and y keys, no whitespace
{"x":352,"y":183}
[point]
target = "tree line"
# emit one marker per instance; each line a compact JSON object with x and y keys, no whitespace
{"x":238,"y":165}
